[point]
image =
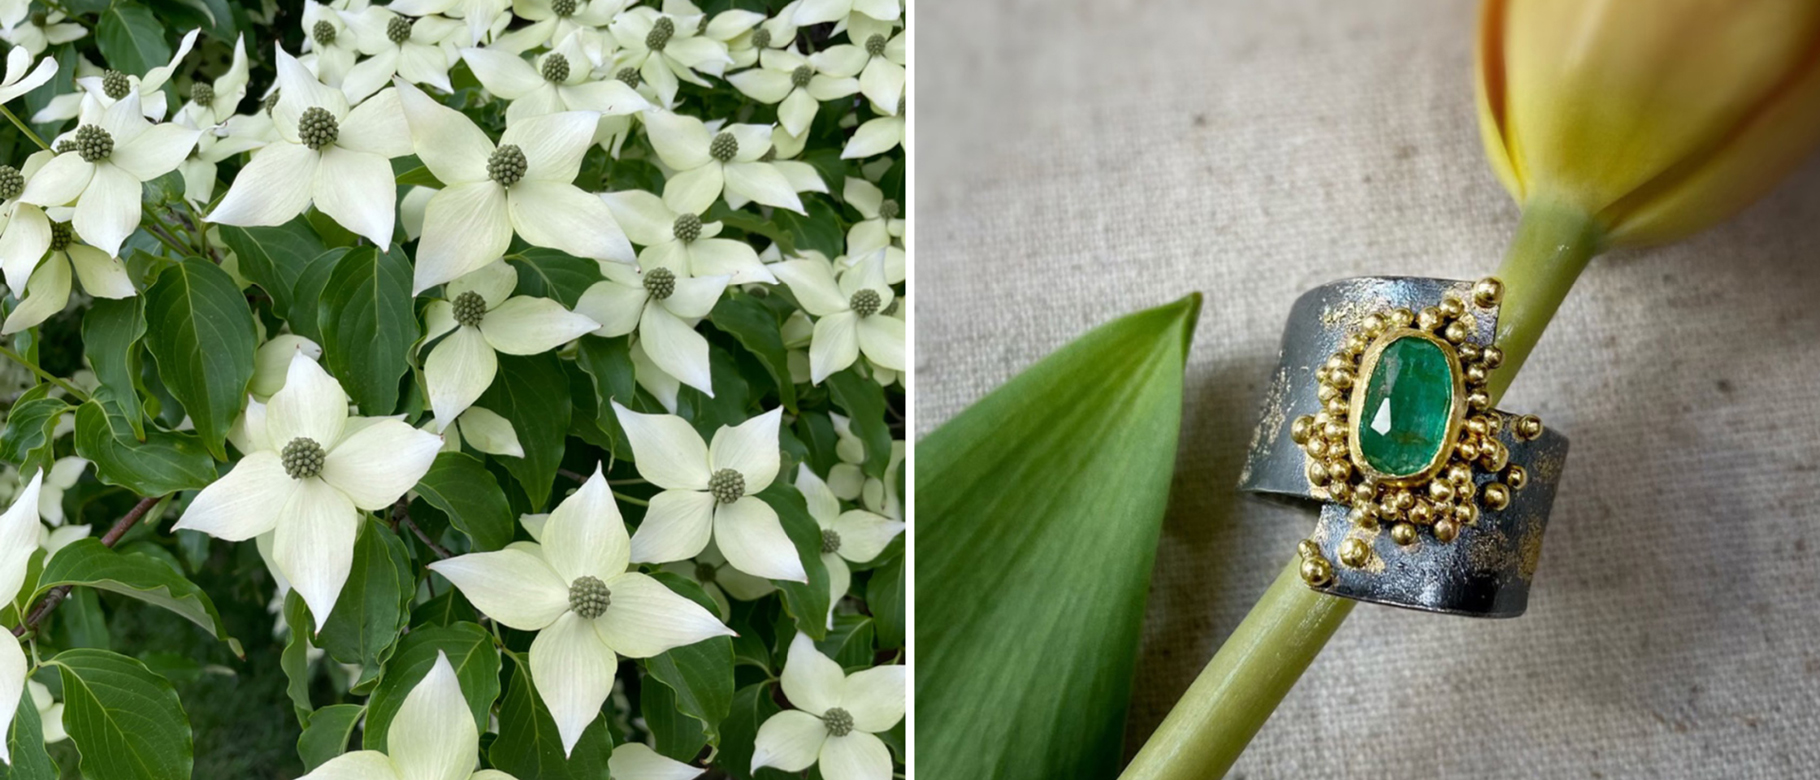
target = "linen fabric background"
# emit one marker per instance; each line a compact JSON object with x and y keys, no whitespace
{"x":1081,"y":159}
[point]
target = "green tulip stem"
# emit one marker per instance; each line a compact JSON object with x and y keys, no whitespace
{"x":1256,"y":667}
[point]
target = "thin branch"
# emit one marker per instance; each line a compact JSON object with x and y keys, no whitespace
{"x":55,"y":598}
{"x":441,"y":552}
{"x":48,"y":376}
{"x":573,"y":476}
{"x":633,"y":500}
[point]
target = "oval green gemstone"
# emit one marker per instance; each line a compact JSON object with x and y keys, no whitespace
{"x":1402,"y":425}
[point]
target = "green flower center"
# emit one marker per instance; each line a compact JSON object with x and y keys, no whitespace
{"x":629,"y":77}
{"x":115,"y":84}
{"x":398,"y":30}
{"x":724,"y":147}
{"x":40,"y":18}
{"x":830,"y":541}
{"x":800,"y":77}
{"x":704,"y":572}
{"x":761,"y":38}
{"x":302,"y":458}
{"x":838,"y":721}
{"x":317,"y":127}
{"x":687,"y":228}
{"x":589,"y":597}
{"x":564,"y":7}
{"x":11,"y":182}
{"x":202,"y":94}
{"x":470,"y":308}
{"x":660,"y":34}
{"x":93,"y":143}
{"x":727,"y":485}
{"x":887,"y":210}
{"x":270,"y":101}
{"x":61,"y":236}
{"x":556,"y":68}
{"x":323,"y":33}
{"x":865,"y":303}
{"x":661,"y":284}
{"x":507,"y":165}
{"x":875,"y":45}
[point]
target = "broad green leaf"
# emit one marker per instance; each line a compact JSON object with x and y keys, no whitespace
{"x":368,"y":326}
{"x":164,"y":463}
{"x":849,"y":642}
{"x":89,"y":563}
{"x":125,"y":720}
{"x":885,"y":597}
{"x":821,"y":230}
{"x":533,"y":393}
{"x":26,"y":441}
{"x":25,"y":744}
{"x":757,"y":329}
{"x":729,"y":404}
{"x":752,"y":706}
{"x":295,"y":660}
{"x":445,"y":609}
{"x":700,"y":675}
{"x":274,"y":257}
{"x":529,"y":746}
{"x":807,"y":601}
{"x":608,"y":362}
{"x":80,"y":622}
{"x":1040,"y":510}
{"x":200,"y":331}
{"x":374,"y":605}
{"x":864,"y":402}
{"x":472,"y":655}
{"x":460,"y":485}
{"x":110,"y":338}
{"x":131,"y":38}
{"x":549,"y":273}
{"x":306,"y":313}
{"x":673,"y":733}
{"x":327,"y":734}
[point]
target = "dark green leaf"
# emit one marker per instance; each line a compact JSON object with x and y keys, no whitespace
{"x":295,"y":661}
{"x":472,"y":655}
{"x":674,"y":734}
{"x":460,"y":486}
{"x":807,"y":601}
{"x":110,"y":338}
{"x":327,"y":735}
{"x":445,"y":609}
{"x":200,"y":331}
{"x":126,"y":721}
{"x":864,"y":401}
{"x":821,"y":230}
{"x":307,"y":309}
{"x":533,"y":393}
{"x":164,"y":463}
{"x":25,"y":744}
{"x":849,"y":642}
{"x":131,"y":38}
{"x":701,"y":674}
{"x":90,"y":563}
{"x":752,"y":323}
{"x":81,"y":623}
{"x":368,"y":326}
{"x":26,"y":440}
{"x":608,"y":362}
{"x":274,"y":257}
{"x":1041,"y":508}
{"x":752,"y":706}
{"x":549,"y":273}
{"x":374,"y":605}
{"x":529,"y":746}
{"x":885,"y":597}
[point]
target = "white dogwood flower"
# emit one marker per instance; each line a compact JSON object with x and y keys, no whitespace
{"x":111,"y":86}
{"x":18,"y":538}
{"x":561,"y":80}
{"x":47,"y":291}
{"x":557,"y":20}
{"x":705,"y":162}
{"x":883,"y":221}
{"x":637,"y":761}
{"x":272,"y":363}
{"x":21,"y":77}
{"x":855,"y":535}
{"x":708,"y":493}
{"x":663,"y":304}
{"x":482,"y":428}
{"x":731,"y":27}
{"x":681,"y":241}
{"x":835,"y":717}
{"x":876,"y":136}
{"x":664,"y":49}
{"x":523,"y":184}
{"x":64,"y":473}
{"x":419,"y":50}
{"x":210,"y":104}
{"x":482,"y":317}
{"x":797,"y":85}
{"x":577,"y":591}
{"x":432,"y":737}
{"x":844,"y":12}
{"x":326,"y":35}
{"x":484,"y":18}
{"x":310,"y":472}
{"x":883,"y":56}
{"x":850,"y":316}
{"x":30,"y":35}
{"x":327,"y":153}
{"x":50,"y":712}
{"x":102,"y":166}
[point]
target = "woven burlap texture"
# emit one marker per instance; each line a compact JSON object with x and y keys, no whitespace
{"x":1081,"y":159}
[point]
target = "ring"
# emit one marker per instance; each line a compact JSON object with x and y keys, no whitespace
{"x":1430,"y":499}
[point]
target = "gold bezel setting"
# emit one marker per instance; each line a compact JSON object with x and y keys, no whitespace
{"x":1456,"y":417}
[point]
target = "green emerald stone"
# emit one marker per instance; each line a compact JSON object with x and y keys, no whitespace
{"x":1408,"y":405}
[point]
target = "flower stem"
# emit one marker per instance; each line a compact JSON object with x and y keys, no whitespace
{"x":1258,"y":665}
{"x":24,"y":128}
{"x":46,"y":375}
{"x":56,"y":596}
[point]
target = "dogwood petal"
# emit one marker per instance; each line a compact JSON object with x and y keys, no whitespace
{"x":102,"y":276}
{"x":357,"y":190}
{"x":749,"y":534}
{"x":23,"y":244}
{"x":60,"y":181}
{"x":505,"y":75}
{"x":790,"y":740}
{"x":493,"y":282}
{"x":573,"y":671}
{"x":762,"y":183}
{"x":882,"y":339}
{"x":727,"y":257}
{"x":528,"y":326}
{"x":46,"y":293}
{"x":155,"y":152}
{"x":882,"y":82}
{"x":18,"y":538}
{"x":750,"y":448}
{"x":813,"y":283}
{"x":490,"y":433}
{"x":653,"y":379}
{"x":311,"y":405}
{"x":636,"y":761}
{"x":378,"y":463}
{"x":424,"y":64}
{"x":646,"y":618}
{"x":377,"y":126}
{"x":585,"y":535}
{"x":875,"y":136}
{"x":824,"y":507}
{"x":464,"y":227}
{"x":693,"y":191}
{"x":272,"y":189}
{"x":372,"y":74}
{"x":609,"y":98}
{"x":449,"y":143}
{"x":844,"y":60}
{"x":16,"y":84}
{"x":677,"y":526}
{"x":875,"y":697}
{"x":812,"y":681}
{"x":834,"y":346}
{"x":298,"y":90}
{"x":433,"y":736}
{"x":857,"y":756}
{"x":12,"y":673}
{"x":642,"y":215}
{"x":553,"y":144}
{"x":681,"y":141}
{"x":763,"y":84}
{"x":676,"y":348}
{"x":109,"y":209}
{"x":561,"y":216}
{"x":314,"y":546}
{"x":863,"y":534}
{"x":818,"y":11}
{"x":358,"y":765}
{"x":615,"y":306}
{"x":666,"y":449}
{"x":458,"y":371}
{"x":797,"y":111}
{"x":840,"y":578}
{"x":694,"y":297}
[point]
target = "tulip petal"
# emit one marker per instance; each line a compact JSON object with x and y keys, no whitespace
{"x":375,"y":465}
{"x":666,"y":449}
{"x":314,"y":547}
{"x":238,"y":506}
{"x":790,"y":740}
{"x":677,"y":525}
{"x":750,"y":535}
{"x":573,"y":672}
{"x":511,"y":586}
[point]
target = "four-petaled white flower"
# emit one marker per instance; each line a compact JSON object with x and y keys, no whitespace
{"x":855,"y":535}
{"x":311,"y":472}
{"x":682,"y":241}
{"x":705,"y":162}
{"x":664,"y":48}
{"x":882,"y":79}
{"x":484,"y":18}
{"x":850,"y":314}
{"x":18,"y":538}
{"x":328,"y":154}
{"x":556,"y":20}
{"x":30,"y":34}
{"x":561,"y":80}
{"x":883,"y":221}
{"x":327,"y":40}
{"x":663,"y":304}
{"x":102,"y":165}
{"x":21,"y":77}
{"x":731,"y":28}
{"x":210,"y":104}
{"x":798,"y":85}
{"x":481,"y":317}
{"x":576,"y":591}
{"x":523,"y":184}
{"x":708,"y":492}
{"x":47,"y":291}
{"x":845,"y":12}
{"x":112,"y":86}
{"x":835,"y":718}
{"x":432,"y":737}
{"x":418,"y":50}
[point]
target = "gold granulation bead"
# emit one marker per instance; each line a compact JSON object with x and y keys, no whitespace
{"x":1422,"y":513}
{"x":1404,"y":501}
{"x":1496,"y":496}
{"x":1316,"y":447}
{"x":1403,"y":534}
{"x":1334,"y":432}
{"x":1317,"y":472}
{"x":1401,"y":317}
{"x":1336,"y":363}
{"x":1468,"y":449}
{"x":1301,"y":429}
{"x":1478,"y":400}
{"x":1452,"y":307}
{"x":1475,"y":374}
{"x":1445,"y":531}
{"x":1464,"y":490}
{"x":1470,"y":353}
{"x":1495,"y":455}
{"x":1338,"y":470}
{"x":1494,"y":423}
{"x":1440,"y":491}
{"x":1487,"y":292}
{"x":1458,"y":473}
{"x":1516,"y":477}
{"x":1455,"y":332}
{"x":1307,"y":548}
{"x":1317,"y":572}
{"x":1363,"y":517}
{"x":1357,"y":343}
{"x":1327,"y":392}
{"x":1428,"y":319}
{"x":1341,"y":379}
{"x":1374,"y":325}
{"x":1339,"y":492}
{"x":1528,"y":427}
{"x":1492,"y":357}
{"x":1465,"y":514}
{"x":1476,"y":426}
{"x":1336,"y":406}
{"x":1354,"y":552}
{"x":1388,"y":507}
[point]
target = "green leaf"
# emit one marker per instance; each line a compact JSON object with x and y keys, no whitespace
{"x":472,"y":655}
{"x":90,"y":563}
{"x":849,"y":642}
{"x":307,"y":311}
{"x":608,"y":362}
{"x":821,"y":230}
{"x":701,"y":674}
{"x":1040,"y":510}
{"x":80,"y":622}
{"x":27,"y":439}
{"x":374,"y":605}
{"x":807,"y":601}
{"x":446,"y":609}
{"x":757,"y":329}
{"x":200,"y":331}
{"x":274,"y":258}
{"x":368,"y":326}
{"x":549,"y":273}
{"x":25,"y":744}
{"x":533,"y":393}
{"x":295,"y":660}
{"x":327,"y":734}
{"x":864,"y":401}
{"x":752,"y":706}
{"x":125,"y":720}
{"x":529,"y":746}
{"x":162,"y":464}
{"x":131,"y":38}
{"x":672,"y":733}
{"x":110,"y":338}
{"x":885,"y":597}
{"x":462,"y":487}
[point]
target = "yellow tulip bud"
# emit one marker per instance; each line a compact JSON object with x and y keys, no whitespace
{"x":1657,"y":118}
